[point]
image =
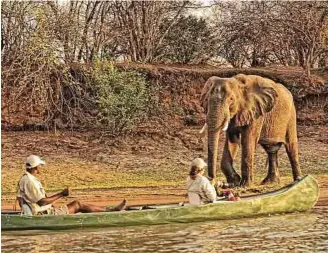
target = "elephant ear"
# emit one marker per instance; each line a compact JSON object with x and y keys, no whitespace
{"x":259,"y":97}
{"x":205,"y":92}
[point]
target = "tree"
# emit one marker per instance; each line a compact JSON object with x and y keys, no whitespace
{"x":140,"y":22}
{"x":259,"y":33}
{"x":243,"y":32}
{"x":85,"y":29}
{"x":189,"y":41}
{"x":305,"y":23}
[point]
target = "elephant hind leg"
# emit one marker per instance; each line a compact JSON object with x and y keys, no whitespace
{"x":292,"y":151}
{"x":273,"y":175}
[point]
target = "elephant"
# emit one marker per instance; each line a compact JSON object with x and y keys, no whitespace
{"x":251,"y":110}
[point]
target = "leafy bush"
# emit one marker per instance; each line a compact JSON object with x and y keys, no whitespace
{"x":122,"y":97}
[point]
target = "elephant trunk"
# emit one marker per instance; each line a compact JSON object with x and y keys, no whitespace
{"x":213,"y":140}
{"x":217,"y":121}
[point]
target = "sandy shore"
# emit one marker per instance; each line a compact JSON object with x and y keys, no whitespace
{"x":142,"y":169}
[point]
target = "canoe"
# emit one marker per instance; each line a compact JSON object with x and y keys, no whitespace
{"x":296,"y":197}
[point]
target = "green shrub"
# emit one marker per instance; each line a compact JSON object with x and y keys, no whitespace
{"x":122,"y":97}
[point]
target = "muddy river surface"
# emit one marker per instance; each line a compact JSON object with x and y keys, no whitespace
{"x":302,"y":232}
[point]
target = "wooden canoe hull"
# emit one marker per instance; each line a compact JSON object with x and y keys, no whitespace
{"x":297,"y":197}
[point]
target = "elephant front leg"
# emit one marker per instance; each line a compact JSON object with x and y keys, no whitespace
{"x":247,"y":166}
{"x":230,"y":151}
{"x":248,"y":144}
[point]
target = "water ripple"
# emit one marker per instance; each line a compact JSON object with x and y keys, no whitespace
{"x":306,"y":232}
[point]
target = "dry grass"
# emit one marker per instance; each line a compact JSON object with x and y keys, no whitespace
{"x":142,"y":164}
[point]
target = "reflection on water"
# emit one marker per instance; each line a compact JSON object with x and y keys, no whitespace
{"x":305,"y":232}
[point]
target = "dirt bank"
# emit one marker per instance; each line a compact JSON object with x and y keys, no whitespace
{"x":178,"y":90}
{"x":143,"y":168}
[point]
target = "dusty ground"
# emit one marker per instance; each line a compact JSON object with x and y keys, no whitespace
{"x":144,"y":168}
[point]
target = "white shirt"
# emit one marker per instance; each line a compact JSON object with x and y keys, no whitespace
{"x":200,"y":190}
{"x":31,"y":190}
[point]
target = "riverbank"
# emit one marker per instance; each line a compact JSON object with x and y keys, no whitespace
{"x":144,"y":168}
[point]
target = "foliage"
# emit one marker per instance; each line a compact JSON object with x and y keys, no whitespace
{"x":270,"y":32}
{"x":189,"y":41}
{"x":122,"y":97}
{"x":140,"y":21}
{"x":249,"y":33}
{"x":28,"y":69}
{"x":42,"y":40}
{"x":36,"y":85}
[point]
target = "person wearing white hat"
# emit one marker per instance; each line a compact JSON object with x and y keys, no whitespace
{"x":34,"y":201}
{"x":200,"y":190}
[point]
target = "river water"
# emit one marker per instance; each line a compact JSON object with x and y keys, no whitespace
{"x":302,"y":232}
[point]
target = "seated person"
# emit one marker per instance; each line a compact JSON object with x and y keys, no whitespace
{"x":200,"y":189}
{"x":33,"y":200}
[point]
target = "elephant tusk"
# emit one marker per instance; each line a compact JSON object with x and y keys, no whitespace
{"x":226,"y":125}
{"x":203,"y":129}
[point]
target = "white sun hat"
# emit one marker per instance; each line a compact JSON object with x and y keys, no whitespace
{"x":33,"y":161}
{"x":199,"y":163}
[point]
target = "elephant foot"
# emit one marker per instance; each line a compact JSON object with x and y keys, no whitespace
{"x":234,"y":180}
{"x":245,"y":182}
{"x":272,"y":179}
{"x":297,"y":178}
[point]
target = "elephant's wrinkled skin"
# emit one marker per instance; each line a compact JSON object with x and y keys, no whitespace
{"x":251,"y":110}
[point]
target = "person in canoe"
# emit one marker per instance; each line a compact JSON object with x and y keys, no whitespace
{"x":34,"y":201}
{"x":200,"y":189}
